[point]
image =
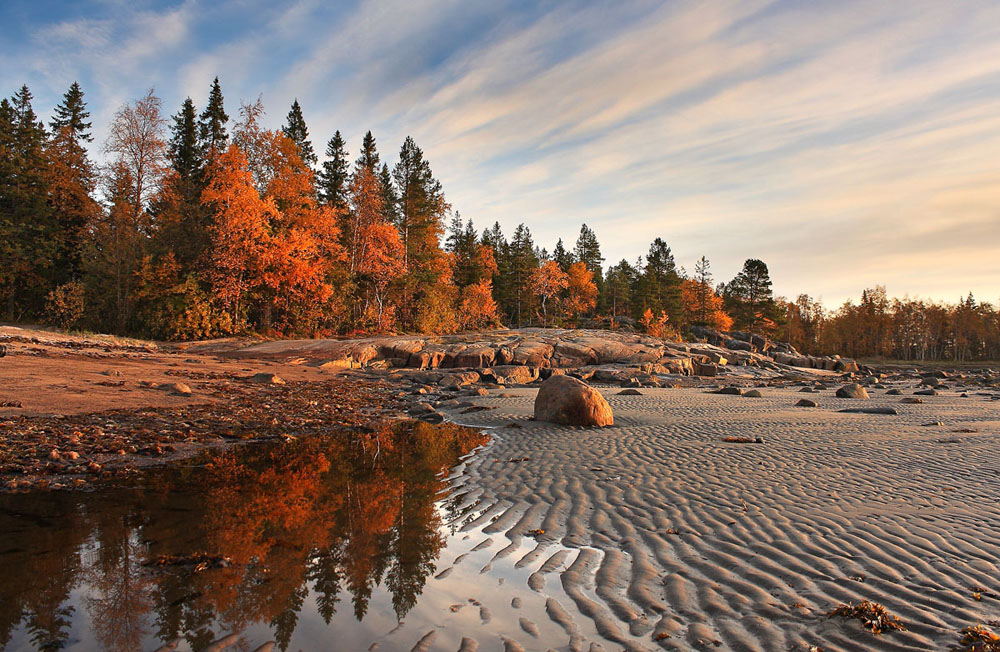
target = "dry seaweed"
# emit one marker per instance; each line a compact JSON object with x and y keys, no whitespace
{"x":978,"y":639}
{"x":873,"y":616}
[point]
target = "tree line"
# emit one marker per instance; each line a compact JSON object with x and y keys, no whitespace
{"x":198,"y":225}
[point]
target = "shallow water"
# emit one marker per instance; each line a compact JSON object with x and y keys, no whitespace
{"x":323,"y":543}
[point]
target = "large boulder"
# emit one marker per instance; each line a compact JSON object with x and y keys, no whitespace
{"x":572,"y":402}
{"x":852,"y":390}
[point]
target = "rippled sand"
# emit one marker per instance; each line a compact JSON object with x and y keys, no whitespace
{"x":658,"y":535}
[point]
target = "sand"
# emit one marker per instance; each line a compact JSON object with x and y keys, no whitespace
{"x":658,"y":535}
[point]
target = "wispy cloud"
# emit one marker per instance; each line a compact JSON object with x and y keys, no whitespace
{"x":845,"y":143}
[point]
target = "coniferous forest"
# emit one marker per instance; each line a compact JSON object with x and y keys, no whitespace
{"x":200,"y":224}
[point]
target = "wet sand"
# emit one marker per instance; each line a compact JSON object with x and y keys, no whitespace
{"x":656,"y":534}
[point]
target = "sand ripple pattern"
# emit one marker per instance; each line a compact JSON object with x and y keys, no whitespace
{"x":658,"y":535}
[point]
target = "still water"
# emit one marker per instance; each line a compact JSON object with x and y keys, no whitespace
{"x":321,"y":543}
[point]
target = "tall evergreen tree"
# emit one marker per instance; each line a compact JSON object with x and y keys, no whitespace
{"x":523,"y":261}
{"x":183,"y":149}
{"x":71,"y":183}
{"x":421,"y":204}
{"x":72,"y":113}
{"x":334,"y":175}
{"x":749,"y":299}
{"x":588,"y":252}
{"x":295,"y":128}
{"x":369,"y":154}
{"x":390,"y":200}
{"x":660,"y":286}
{"x":27,"y":246}
{"x":561,"y":256}
{"x":213,"y":120}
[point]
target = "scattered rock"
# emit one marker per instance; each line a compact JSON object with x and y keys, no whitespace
{"x":729,"y":391}
{"x":753,"y":393}
{"x":570,"y":401}
{"x":807,"y":402}
{"x":926,"y":392}
{"x":894,"y":392}
{"x":911,"y":400}
{"x":870,"y":410}
{"x":268,"y":378}
{"x":180,"y":389}
{"x":630,"y":392}
{"x":852,"y":390}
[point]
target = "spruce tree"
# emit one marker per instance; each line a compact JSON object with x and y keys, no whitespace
{"x":660,"y":283}
{"x":421,"y":204}
{"x":71,"y":182}
{"x":333,"y":177}
{"x":588,"y":252}
{"x":749,"y":298}
{"x":390,"y":200}
{"x":184,"y":150}
{"x":369,"y":154}
{"x":72,"y":113}
{"x":561,"y":256}
{"x":213,"y":120}
{"x":27,"y":242}
{"x":523,"y":262}
{"x":295,"y":128}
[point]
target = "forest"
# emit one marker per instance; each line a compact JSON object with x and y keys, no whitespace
{"x":195,"y":225}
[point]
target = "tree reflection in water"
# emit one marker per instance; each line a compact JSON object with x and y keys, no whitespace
{"x":332,"y":515}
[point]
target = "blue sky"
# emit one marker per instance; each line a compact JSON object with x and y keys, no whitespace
{"x":844,"y":143}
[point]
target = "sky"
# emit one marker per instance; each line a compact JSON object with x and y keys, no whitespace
{"x":844,"y":143}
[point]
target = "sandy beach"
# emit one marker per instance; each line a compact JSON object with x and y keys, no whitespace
{"x":656,"y":534}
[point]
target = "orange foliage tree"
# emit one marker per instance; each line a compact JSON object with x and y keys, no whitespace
{"x":546,"y":282}
{"x":239,"y":233}
{"x":703,"y":306}
{"x":581,"y":291}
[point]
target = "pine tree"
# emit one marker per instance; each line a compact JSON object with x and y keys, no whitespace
{"x":703,"y":276}
{"x":183,"y":149}
{"x":660,"y":283}
{"x":749,"y":298}
{"x":71,"y":184}
{"x":27,"y":244}
{"x":182,"y":220}
{"x":369,"y":154}
{"x":390,"y":201}
{"x":561,"y":256}
{"x":72,"y":113}
{"x":620,"y":281}
{"x":588,"y":252}
{"x":334,"y":176}
{"x":523,"y":262}
{"x":295,"y":128}
{"x":213,"y":120}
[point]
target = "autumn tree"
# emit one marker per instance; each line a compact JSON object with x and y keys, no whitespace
{"x":581,"y":291}
{"x":546,"y":282}
{"x":239,"y":233}
{"x":588,"y":251}
{"x":374,"y":251}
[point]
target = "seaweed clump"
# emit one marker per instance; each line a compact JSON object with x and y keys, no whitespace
{"x":978,"y":639}
{"x":872,"y":615}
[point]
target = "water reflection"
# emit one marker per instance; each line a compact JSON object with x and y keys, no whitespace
{"x":323,"y":521}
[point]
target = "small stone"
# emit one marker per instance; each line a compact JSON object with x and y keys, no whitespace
{"x":630,"y":392}
{"x":180,"y":389}
{"x":805,"y":402}
{"x":268,"y":378}
{"x":852,"y":390}
{"x":753,"y":393}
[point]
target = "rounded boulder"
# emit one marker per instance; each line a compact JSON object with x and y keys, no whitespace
{"x":571,"y":402}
